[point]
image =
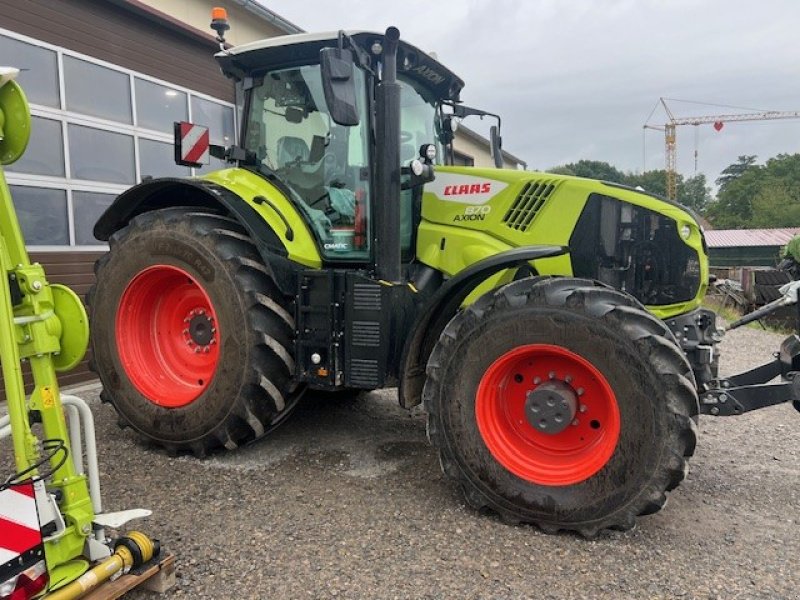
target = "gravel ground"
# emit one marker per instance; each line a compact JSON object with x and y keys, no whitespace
{"x":347,"y":500}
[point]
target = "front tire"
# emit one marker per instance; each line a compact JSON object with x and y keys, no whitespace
{"x":192,"y":340}
{"x":561,"y":403}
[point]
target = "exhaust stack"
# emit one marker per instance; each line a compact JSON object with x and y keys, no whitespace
{"x":387,"y":189}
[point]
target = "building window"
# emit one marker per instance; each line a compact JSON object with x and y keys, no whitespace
{"x":38,"y":70}
{"x":462,"y":160}
{"x":99,"y":155}
{"x":159,"y":106}
{"x":107,"y":129}
{"x":97,"y":91}
{"x":88,"y":206}
{"x":218,"y":119}
{"x":157,"y":159}
{"x":45,"y":152}
{"x":42,"y":214}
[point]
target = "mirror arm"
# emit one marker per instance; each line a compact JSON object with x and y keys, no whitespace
{"x":364,"y":60}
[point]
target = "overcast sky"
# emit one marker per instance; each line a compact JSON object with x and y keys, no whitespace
{"x":577,"y":79}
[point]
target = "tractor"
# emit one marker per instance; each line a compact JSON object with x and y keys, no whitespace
{"x":550,"y":325}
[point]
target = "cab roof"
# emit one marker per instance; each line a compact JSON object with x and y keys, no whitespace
{"x":303,"y":48}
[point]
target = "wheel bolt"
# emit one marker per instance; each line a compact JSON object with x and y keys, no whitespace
{"x":552,"y":374}
{"x":583,"y":408}
{"x":579,"y":391}
{"x":568,"y":379}
{"x":537,"y":380}
{"x":197,"y":350}
{"x":575,"y":422}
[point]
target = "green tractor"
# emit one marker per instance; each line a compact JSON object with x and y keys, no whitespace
{"x":550,"y":325}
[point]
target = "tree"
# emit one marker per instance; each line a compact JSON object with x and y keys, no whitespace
{"x":775,"y":206}
{"x":593,"y":169}
{"x":695,"y":193}
{"x":653,"y":182}
{"x":732,"y":172}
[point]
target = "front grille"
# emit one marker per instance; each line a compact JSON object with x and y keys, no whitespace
{"x":528,"y":204}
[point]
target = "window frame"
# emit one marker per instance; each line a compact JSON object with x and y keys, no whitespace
{"x":66,"y":118}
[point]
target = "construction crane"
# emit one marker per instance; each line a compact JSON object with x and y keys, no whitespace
{"x":718,"y":121}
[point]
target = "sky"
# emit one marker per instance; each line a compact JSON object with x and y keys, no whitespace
{"x":577,"y":79}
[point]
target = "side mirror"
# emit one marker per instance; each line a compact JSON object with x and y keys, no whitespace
{"x":339,"y":85}
{"x":496,"y":146}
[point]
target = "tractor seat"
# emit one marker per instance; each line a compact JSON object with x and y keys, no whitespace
{"x":292,"y":149}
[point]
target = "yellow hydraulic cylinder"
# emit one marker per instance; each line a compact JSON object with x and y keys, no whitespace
{"x":132,"y":550}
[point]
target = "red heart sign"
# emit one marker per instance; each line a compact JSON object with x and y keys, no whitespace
{"x":718,"y":125}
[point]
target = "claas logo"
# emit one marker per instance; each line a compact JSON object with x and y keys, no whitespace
{"x":474,"y":188}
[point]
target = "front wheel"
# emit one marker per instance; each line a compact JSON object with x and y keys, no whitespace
{"x":562,"y":403}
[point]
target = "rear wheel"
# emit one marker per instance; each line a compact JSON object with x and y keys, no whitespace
{"x":561,"y":403}
{"x":191,"y":338}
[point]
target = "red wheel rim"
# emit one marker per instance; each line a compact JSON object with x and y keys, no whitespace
{"x":167,"y":336}
{"x":568,"y":457}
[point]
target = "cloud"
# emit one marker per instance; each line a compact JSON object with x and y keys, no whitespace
{"x":577,"y":79}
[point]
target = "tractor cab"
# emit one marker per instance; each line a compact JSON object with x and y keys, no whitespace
{"x":311,"y":118}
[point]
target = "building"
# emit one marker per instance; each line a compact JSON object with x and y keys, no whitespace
{"x":747,"y":247}
{"x":106,"y":79}
{"x":471,"y":149}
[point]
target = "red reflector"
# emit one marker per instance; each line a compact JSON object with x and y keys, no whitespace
{"x":26,"y":585}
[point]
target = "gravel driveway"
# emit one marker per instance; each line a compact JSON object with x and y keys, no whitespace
{"x":347,"y":500}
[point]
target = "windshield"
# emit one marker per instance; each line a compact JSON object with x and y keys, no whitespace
{"x":326,"y":165}
{"x":418,"y":117}
{"x":417,"y":128}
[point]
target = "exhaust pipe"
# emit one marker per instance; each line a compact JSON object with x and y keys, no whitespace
{"x":387,"y":159}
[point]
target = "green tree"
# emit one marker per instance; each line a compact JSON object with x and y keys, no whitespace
{"x":734,"y":171}
{"x":695,"y":193}
{"x":775,"y":206}
{"x":593,"y":169}
{"x":653,"y":182}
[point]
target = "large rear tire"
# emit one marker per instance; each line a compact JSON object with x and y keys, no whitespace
{"x":561,"y":403}
{"x":191,"y":338}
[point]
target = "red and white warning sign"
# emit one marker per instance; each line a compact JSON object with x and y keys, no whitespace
{"x":19,"y":522}
{"x":192,"y":144}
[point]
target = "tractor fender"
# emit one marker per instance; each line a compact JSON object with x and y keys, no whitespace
{"x":442,"y":306}
{"x":169,"y":192}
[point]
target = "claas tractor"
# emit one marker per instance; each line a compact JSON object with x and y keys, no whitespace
{"x":52,"y":523}
{"x":551,"y":326}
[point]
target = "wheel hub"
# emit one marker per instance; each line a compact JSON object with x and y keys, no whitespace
{"x":201,"y":328}
{"x":551,"y":407}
